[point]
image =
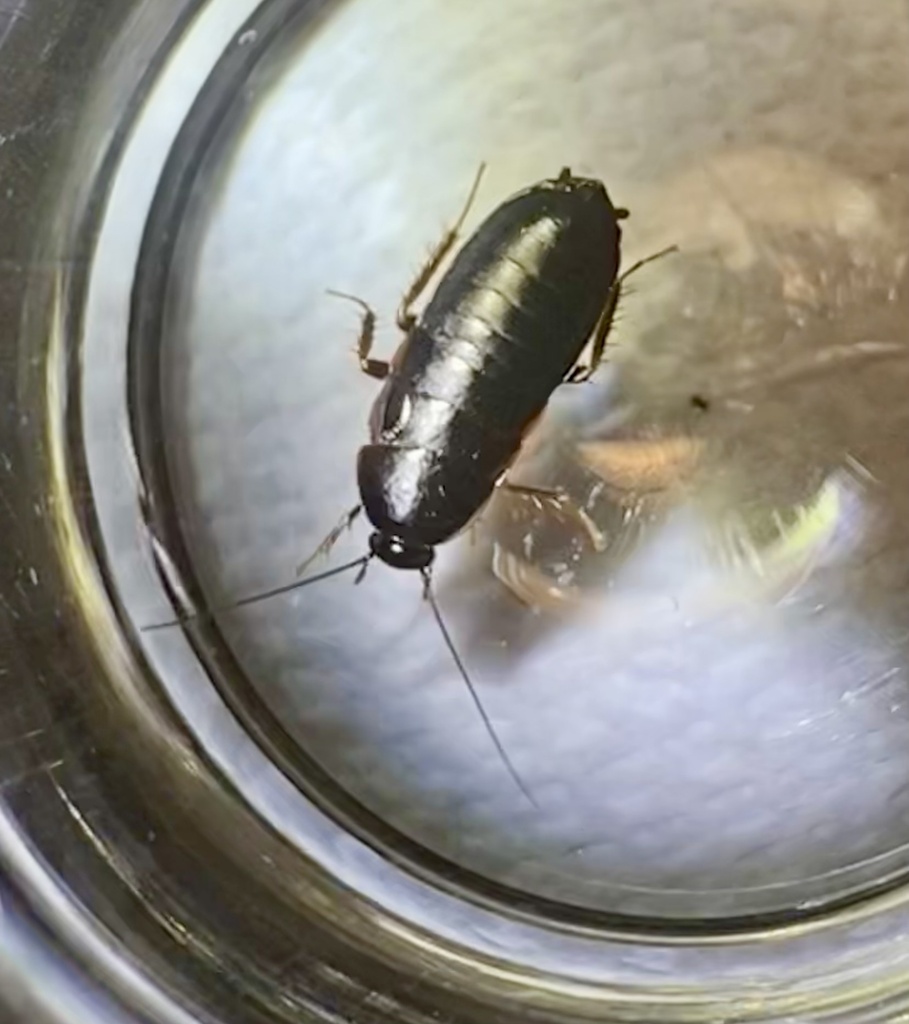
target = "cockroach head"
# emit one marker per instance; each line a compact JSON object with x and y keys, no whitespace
{"x":397,"y":553}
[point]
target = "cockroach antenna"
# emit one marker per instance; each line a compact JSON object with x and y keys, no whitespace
{"x":430,"y":597}
{"x":362,"y":564}
{"x":358,"y":563}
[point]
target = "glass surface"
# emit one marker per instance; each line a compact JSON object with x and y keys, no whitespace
{"x":710,"y":710}
{"x":291,"y":809}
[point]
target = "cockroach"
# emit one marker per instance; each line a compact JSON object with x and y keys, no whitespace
{"x":534,"y":286}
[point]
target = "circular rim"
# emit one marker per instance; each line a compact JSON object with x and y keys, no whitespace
{"x":208,"y":119}
{"x":376,"y":853}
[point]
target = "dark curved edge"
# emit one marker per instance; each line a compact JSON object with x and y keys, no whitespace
{"x":50,"y":53}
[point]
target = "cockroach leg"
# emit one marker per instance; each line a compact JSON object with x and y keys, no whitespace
{"x":343,"y":524}
{"x":376,"y":368}
{"x":581,"y":373}
{"x":563,"y":505}
{"x":551,"y":495}
{"x":406,"y":317}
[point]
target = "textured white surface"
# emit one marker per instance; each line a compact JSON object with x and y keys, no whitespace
{"x":692,"y":732}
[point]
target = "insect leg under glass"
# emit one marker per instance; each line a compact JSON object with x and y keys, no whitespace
{"x":581,"y":373}
{"x":343,"y":524}
{"x":376,"y":368}
{"x":406,"y":317}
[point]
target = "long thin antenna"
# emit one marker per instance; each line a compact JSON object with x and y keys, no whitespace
{"x":446,"y":636}
{"x":360,"y":563}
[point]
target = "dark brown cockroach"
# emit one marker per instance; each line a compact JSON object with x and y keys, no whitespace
{"x":534,"y":286}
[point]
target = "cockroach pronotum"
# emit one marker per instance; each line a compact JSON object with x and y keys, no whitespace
{"x":534,"y":286}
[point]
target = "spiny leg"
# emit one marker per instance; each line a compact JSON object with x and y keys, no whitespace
{"x":377,"y":368}
{"x":344,"y":524}
{"x":580,"y":373}
{"x":538,"y":495}
{"x":563,"y":506}
{"x":550,"y":495}
{"x":406,"y":318}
